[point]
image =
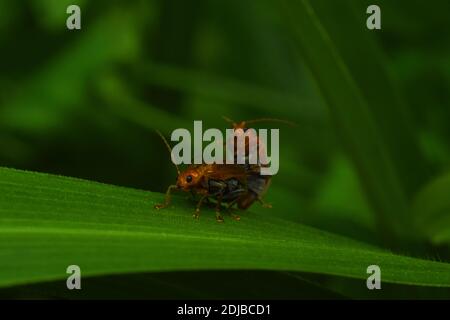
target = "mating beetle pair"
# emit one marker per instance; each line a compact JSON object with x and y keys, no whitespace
{"x":233,"y":184}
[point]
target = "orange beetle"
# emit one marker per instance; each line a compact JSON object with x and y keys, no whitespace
{"x":240,"y":184}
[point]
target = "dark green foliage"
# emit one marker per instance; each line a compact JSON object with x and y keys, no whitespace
{"x":364,"y":176}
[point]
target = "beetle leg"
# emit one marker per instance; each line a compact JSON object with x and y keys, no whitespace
{"x":219,"y":217}
{"x":264,"y":204}
{"x":229,"y":208}
{"x":209,"y":203}
{"x":167,"y":198}
{"x":230,"y":205}
{"x":196,"y":214}
{"x":235,"y":216}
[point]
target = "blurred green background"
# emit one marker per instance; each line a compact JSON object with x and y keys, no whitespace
{"x":368,"y":159}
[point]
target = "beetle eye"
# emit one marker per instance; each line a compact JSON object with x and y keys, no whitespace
{"x":189,"y":179}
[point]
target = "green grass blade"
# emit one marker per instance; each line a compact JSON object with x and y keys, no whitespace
{"x":123,"y":104}
{"x":431,"y":209}
{"x":354,"y":107}
{"x":55,"y":91}
{"x":48,"y":222}
{"x":230,"y":90}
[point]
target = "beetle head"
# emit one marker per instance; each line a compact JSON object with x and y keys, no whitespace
{"x":189,"y":179}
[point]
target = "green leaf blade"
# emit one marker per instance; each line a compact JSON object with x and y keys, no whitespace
{"x":49,"y":222}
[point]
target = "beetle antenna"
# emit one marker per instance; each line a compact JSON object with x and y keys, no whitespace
{"x":168,"y":148}
{"x":228,"y":120}
{"x":290,"y":123}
